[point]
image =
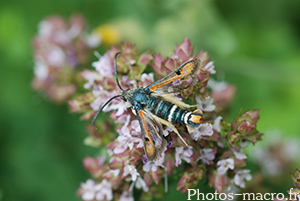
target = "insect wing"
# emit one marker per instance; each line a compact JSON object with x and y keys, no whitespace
{"x":186,"y":70}
{"x":154,"y":143}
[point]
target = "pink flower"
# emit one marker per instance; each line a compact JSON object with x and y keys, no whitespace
{"x":104,"y":66}
{"x":184,"y":154}
{"x":203,"y":130}
{"x":127,"y":142}
{"x":119,"y":105}
{"x":60,"y":50}
{"x":206,"y":105}
{"x":56,"y":57}
{"x":224,"y":165}
{"x":101,"y":96}
{"x":210,"y":67}
{"x":94,"y":165}
{"x":207,"y":155}
{"x":124,"y":119}
{"x":129,"y":136}
{"x":147,"y":79}
{"x":91,"y":77}
{"x":219,"y":182}
{"x":153,"y":165}
{"x":135,"y":127}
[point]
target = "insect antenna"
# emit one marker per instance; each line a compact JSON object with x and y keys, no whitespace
{"x":116,"y":73}
{"x":95,"y":117}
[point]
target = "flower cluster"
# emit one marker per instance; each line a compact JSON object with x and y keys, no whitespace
{"x":61,"y":48}
{"x":276,"y":155}
{"x":293,"y":193}
{"x":214,"y":151}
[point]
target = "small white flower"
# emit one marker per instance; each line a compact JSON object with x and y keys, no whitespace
{"x":217,"y":122}
{"x":136,"y":128}
{"x":62,"y":37}
{"x":183,"y":153}
{"x":101,"y":96}
{"x":125,"y":141}
{"x":153,"y":165}
{"x":202,"y":130}
{"x":217,"y":86}
{"x":210,"y":67}
{"x":41,"y":69}
{"x":45,"y":29}
{"x":130,"y":169}
{"x":56,"y":57}
{"x":269,"y":164}
{"x":89,"y":190}
{"x":104,"y":66}
{"x":96,"y":191}
{"x":207,"y":155}
{"x":224,"y":165}
{"x":104,"y":190}
{"x":90,"y":76}
{"x":239,"y":154}
{"x":220,"y":142}
{"x":240,"y":177}
{"x":140,"y":183}
{"x":206,"y":105}
{"x":126,"y":196}
{"x":74,"y":31}
{"x":167,"y":131}
{"x":124,"y":119}
{"x":92,"y":40}
{"x":120,"y":105}
{"x":149,"y":166}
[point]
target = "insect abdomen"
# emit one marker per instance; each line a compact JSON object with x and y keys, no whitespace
{"x":167,"y":110}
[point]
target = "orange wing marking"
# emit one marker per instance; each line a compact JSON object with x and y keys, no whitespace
{"x":183,"y":71}
{"x":149,"y":144}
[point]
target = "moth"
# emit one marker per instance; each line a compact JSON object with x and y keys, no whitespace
{"x":154,"y":105}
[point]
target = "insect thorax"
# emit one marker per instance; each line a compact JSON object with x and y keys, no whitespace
{"x":138,"y":97}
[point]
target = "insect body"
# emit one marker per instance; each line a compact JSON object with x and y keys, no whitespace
{"x":154,"y":108}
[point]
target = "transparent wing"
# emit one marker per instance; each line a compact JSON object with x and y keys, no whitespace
{"x":154,"y":142}
{"x":183,"y":77}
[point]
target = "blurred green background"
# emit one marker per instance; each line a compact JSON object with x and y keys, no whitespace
{"x":255,"y":45}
